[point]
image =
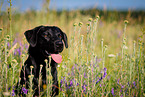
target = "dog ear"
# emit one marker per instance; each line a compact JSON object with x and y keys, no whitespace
{"x":31,"y":35}
{"x":64,"y":37}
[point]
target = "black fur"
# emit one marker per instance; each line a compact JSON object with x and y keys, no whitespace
{"x":43,"y":40}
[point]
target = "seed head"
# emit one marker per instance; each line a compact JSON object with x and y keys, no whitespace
{"x":46,"y":61}
{"x":126,"y":21}
{"x":82,"y":35}
{"x":106,"y":46}
{"x":1,"y":29}
{"x":88,"y":24}
{"x":15,"y":61}
{"x":97,"y":17}
{"x":124,"y":39}
{"x":2,"y":44}
{"x":90,"y":19}
{"x":80,"y":24}
{"x":49,"y":57}
{"x":31,"y":67}
{"x":75,"y":24}
{"x":23,"y":55}
{"x":41,"y":65}
{"x":140,"y":43}
{"x":7,"y":37}
{"x":30,"y":76}
{"x":124,"y":43}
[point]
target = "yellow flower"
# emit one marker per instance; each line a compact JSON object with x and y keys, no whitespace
{"x":44,"y":86}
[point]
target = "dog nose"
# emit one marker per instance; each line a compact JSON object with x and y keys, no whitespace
{"x":59,"y":43}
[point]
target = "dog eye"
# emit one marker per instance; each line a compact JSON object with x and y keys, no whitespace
{"x":59,"y":36}
{"x":45,"y":36}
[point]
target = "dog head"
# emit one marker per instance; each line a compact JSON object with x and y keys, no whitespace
{"x":50,"y":39}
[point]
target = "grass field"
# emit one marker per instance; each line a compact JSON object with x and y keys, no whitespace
{"x":105,"y":58}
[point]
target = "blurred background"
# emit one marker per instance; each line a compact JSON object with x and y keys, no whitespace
{"x":24,"y":5}
{"x":95,"y":30}
{"x":27,"y":14}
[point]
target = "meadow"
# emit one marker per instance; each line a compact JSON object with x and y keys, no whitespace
{"x":105,"y":57}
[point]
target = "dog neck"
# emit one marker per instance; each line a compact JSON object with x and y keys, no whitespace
{"x":37,"y":53}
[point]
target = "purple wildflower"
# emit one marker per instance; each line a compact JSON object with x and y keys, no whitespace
{"x":126,"y":91}
{"x":121,"y":90}
{"x":66,"y":84}
{"x":68,"y":73}
{"x":134,"y":84}
{"x":26,"y":46}
{"x":112,"y":91}
{"x":108,"y":77}
{"x":15,"y":52}
{"x":8,"y":44}
{"x":118,"y":81}
{"x":128,"y":83}
{"x":21,"y":45}
{"x":100,"y":85}
{"x":19,"y":50}
{"x":104,"y":74}
{"x":61,"y":83}
{"x":98,"y":60}
{"x":121,"y":95}
{"x":13,"y":92}
{"x":71,"y":83}
{"x":99,"y":80}
{"x":72,"y":68}
{"x":105,"y":69}
{"x":9,"y":88}
{"x":25,"y":91}
{"x":84,"y":88}
{"x":122,"y":86}
{"x":85,"y":75}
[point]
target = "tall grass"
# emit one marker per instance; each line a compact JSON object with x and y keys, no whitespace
{"x":105,"y":57}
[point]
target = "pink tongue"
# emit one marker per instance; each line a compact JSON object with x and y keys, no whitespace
{"x":57,"y":58}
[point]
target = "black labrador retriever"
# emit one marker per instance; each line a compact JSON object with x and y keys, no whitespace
{"x":44,"y":41}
